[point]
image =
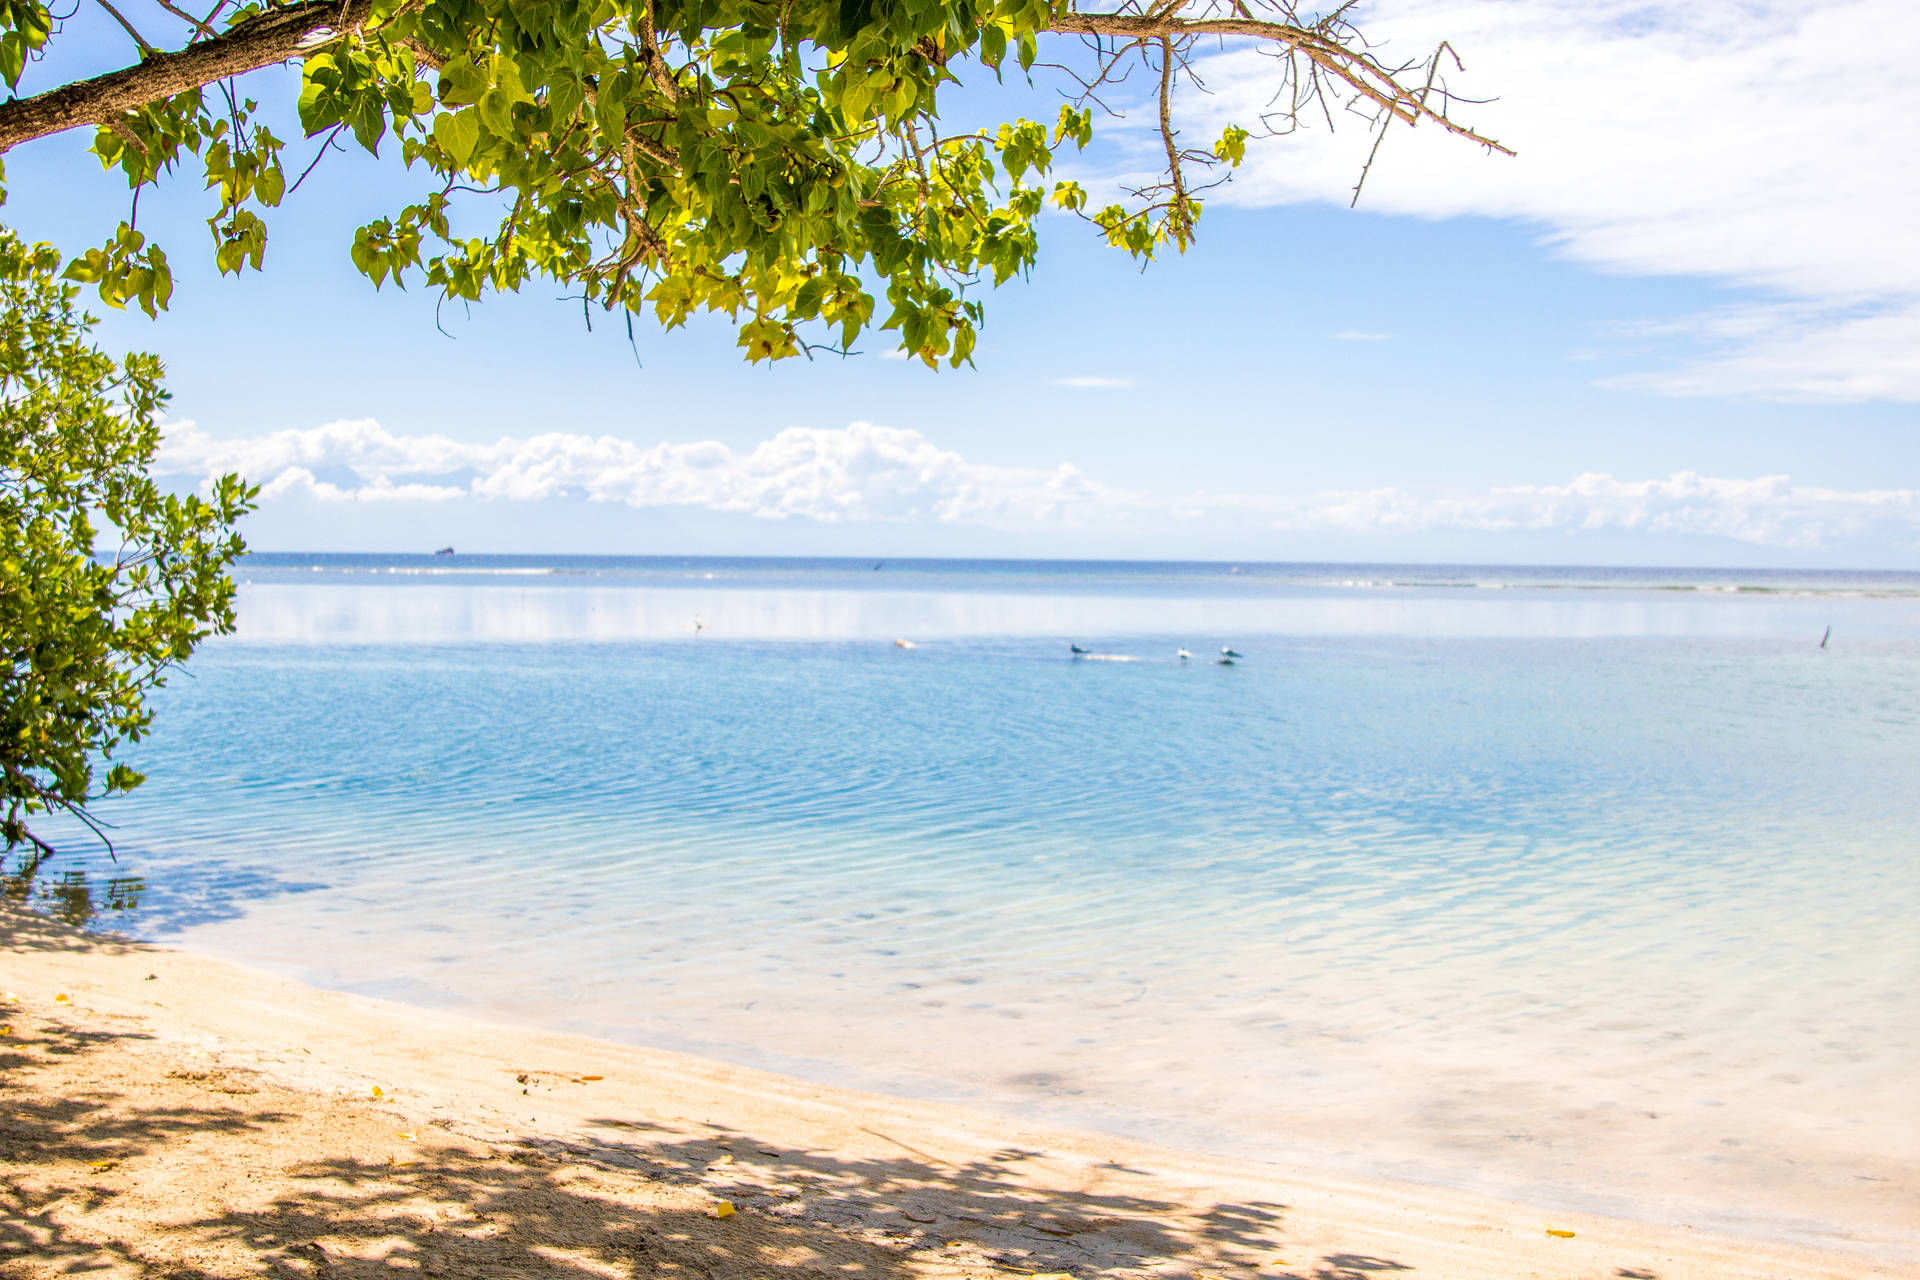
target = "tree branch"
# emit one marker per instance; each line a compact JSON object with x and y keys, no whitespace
{"x":1357,"y":71}
{"x":275,"y":36}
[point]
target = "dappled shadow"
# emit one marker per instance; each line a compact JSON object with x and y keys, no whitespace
{"x":88,"y":891}
{"x":117,"y":1158}
{"x":23,"y":929}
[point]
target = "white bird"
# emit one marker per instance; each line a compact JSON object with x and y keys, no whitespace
{"x":902,"y":644}
{"x":1229,"y":653}
{"x":1182,"y":654}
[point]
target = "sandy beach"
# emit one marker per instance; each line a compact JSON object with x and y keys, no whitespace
{"x":171,"y":1115}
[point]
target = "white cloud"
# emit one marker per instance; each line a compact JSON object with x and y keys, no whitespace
{"x":1792,"y":352}
{"x":856,"y":473}
{"x":864,"y":473}
{"x":1766,"y":143}
{"x":1093,"y":382}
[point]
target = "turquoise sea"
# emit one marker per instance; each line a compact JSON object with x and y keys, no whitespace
{"x":1593,"y":888}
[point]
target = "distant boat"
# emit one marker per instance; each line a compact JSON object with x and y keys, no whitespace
{"x":444,"y":551}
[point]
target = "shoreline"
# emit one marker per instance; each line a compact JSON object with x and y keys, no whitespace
{"x":179,"y":1114}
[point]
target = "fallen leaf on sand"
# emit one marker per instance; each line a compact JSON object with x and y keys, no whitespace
{"x":722,"y":1160}
{"x":6,"y":1030}
{"x":63,"y":998}
{"x":377,"y":1092}
{"x":1053,"y":1275}
{"x":585,"y":1079}
{"x":102,"y":1165}
{"x":405,"y":1137}
{"x":724,"y":1209}
{"x":1564,"y":1235}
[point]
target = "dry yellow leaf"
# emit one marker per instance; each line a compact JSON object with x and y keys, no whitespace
{"x":6,"y":1030}
{"x":404,"y":1137}
{"x":101,"y":1165}
{"x":378,"y":1092}
{"x":63,"y":998}
{"x":1564,"y":1235}
{"x":724,"y":1209}
{"x":584,"y":1079}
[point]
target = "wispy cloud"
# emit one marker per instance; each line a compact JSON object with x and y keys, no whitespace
{"x":1734,"y":139}
{"x":865,"y":473}
{"x":1791,"y":351}
{"x":1093,"y":382}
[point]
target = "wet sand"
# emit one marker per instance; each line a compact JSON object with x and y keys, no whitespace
{"x":164,"y":1114}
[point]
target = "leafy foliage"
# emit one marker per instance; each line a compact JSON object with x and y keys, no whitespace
{"x":782,"y":162}
{"x":87,"y":636}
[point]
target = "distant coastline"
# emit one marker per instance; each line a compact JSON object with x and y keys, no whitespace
{"x":959,"y":571}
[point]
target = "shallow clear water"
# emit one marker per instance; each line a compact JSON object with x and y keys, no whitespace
{"x":1594,"y":887}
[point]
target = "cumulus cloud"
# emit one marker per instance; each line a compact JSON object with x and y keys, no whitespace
{"x":856,"y":473}
{"x":865,"y":473}
{"x":1754,"y":141}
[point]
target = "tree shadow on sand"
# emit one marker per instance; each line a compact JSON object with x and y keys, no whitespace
{"x":117,"y":1160}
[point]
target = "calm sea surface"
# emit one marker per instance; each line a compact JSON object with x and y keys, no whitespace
{"x":1599,"y":888}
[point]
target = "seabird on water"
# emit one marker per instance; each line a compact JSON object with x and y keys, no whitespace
{"x":1077,"y":650}
{"x":1229,"y":653}
{"x":1181,"y":654}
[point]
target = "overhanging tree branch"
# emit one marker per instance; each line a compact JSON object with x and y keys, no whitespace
{"x":1346,"y":64}
{"x":275,"y":36}
{"x":661,"y":159}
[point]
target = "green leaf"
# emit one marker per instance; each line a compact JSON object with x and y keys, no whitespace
{"x":457,"y":133}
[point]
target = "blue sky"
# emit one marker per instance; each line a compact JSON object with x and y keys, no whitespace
{"x":1683,"y":326}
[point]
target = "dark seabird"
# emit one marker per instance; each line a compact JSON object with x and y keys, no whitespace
{"x":1077,"y":650}
{"x":1229,"y":653}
